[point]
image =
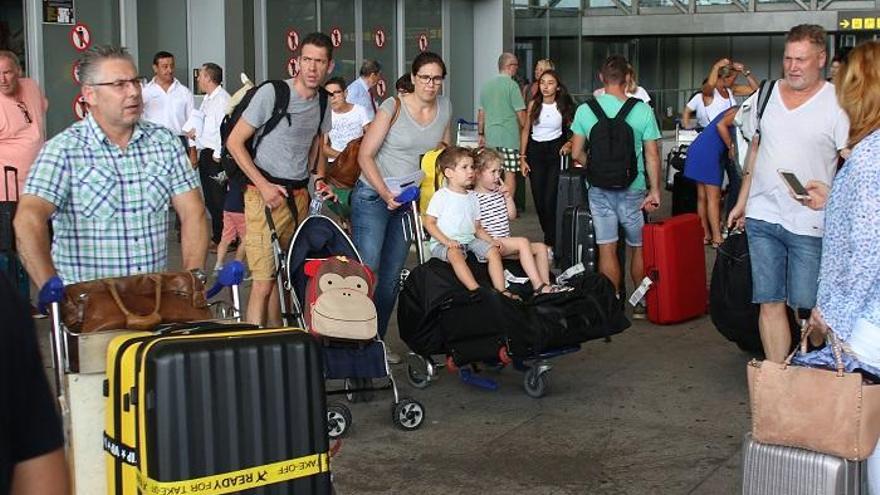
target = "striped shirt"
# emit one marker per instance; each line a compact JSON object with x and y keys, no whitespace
{"x":111,"y":205}
{"x":493,"y":214}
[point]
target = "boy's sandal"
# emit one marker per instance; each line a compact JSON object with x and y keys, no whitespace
{"x":509,"y":294}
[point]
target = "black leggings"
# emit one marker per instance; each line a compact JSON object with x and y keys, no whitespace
{"x":543,"y":160}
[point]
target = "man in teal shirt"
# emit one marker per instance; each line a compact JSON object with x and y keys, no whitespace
{"x":611,"y":207}
{"x":501,"y":117}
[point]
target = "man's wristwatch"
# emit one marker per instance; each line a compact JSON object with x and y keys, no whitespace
{"x":200,"y":275}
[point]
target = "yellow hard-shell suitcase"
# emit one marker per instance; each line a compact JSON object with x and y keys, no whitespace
{"x":221,"y":409}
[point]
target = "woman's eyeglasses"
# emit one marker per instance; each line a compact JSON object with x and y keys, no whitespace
{"x":24,"y":111}
{"x":426,"y":79}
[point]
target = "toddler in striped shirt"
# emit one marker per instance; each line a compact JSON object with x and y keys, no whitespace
{"x":496,"y":211}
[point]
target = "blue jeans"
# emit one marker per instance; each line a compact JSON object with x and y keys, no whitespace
{"x":785,"y":266}
{"x":379,"y":236}
{"x":611,"y":208}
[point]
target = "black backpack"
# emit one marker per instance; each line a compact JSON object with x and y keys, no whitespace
{"x":279,"y":111}
{"x":612,"y":160}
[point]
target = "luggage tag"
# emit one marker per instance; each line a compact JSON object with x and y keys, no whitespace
{"x":570,"y":272}
{"x":513,"y":279}
{"x":640,"y":292}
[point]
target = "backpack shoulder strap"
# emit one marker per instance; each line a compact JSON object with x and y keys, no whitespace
{"x":323,"y":99}
{"x":764,"y":97}
{"x":279,"y":109}
{"x":627,"y":107}
{"x":596,"y":108}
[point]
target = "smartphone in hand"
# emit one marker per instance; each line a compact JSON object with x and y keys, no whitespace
{"x":793,"y":184}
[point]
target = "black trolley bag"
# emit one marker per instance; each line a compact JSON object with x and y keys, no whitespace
{"x":7,"y":211}
{"x":438,"y":315}
{"x":216,"y":409}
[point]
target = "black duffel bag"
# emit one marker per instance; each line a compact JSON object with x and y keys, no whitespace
{"x":436,"y":314}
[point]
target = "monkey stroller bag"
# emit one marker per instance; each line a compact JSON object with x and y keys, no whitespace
{"x":332,"y":295}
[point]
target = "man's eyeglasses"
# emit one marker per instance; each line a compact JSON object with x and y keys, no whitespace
{"x":426,"y":79}
{"x":335,"y":93}
{"x":24,"y":110}
{"x":120,"y":84}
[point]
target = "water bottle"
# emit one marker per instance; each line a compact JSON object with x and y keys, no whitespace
{"x":316,"y":205}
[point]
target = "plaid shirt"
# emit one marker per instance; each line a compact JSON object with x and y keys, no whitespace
{"x":111,"y":204}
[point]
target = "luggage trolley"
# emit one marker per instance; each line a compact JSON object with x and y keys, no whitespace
{"x":467,"y":134}
{"x":78,"y":361}
{"x":354,"y":361}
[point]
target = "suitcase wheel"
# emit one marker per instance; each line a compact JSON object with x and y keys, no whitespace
{"x":338,"y":420}
{"x":503,"y":356}
{"x":535,"y":382}
{"x":450,"y":365}
{"x":408,"y":414}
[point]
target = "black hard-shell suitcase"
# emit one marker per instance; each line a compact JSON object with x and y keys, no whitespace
{"x":225,"y":409}
{"x":578,"y":241}
{"x":571,"y":191}
{"x":777,"y":470}
{"x":684,"y":195}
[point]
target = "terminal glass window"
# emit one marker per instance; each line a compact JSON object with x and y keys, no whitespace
{"x":380,"y":40}
{"x":286,"y":20}
{"x":423,"y":26}
{"x":171,"y":38}
{"x":337,"y":21}
{"x":12,"y":35}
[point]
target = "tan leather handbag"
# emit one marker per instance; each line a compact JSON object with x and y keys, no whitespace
{"x":827,"y":411}
{"x":345,"y":169}
{"x":138,"y":302}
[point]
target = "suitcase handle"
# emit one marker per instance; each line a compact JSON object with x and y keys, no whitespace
{"x":6,"y":170}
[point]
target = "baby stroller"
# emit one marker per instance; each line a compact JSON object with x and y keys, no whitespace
{"x":331,"y":294}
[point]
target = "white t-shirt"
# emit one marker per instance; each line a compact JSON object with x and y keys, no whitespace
{"x":640,"y":93}
{"x":706,"y":114}
{"x":171,"y":109}
{"x":549,"y":124}
{"x":347,"y":126}
{"x":805,"y":140}
{"x":457,"y":214}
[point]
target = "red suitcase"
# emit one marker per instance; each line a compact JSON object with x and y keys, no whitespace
{"x":676,"y":263}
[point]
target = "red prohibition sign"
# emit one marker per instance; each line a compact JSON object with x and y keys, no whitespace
{"x":381,"y":88}
{"x":336,"y":37}
{"x":379,"y":38}
{"x":292,"y":40}
{"x":423,"y":42}
{"x":80,"y":37}
{"x":293,"y":67}
{"x":80,"y":107}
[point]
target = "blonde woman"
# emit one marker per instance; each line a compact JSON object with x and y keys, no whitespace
{"x":541,"y":66}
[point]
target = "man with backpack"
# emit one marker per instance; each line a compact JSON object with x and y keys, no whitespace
{"x":622,"y":134}
{"x":799,"y":127}
{"x":273,"y":144}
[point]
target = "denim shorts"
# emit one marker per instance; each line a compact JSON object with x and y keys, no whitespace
{"x":479,"y":247}
{"x":785,"y":266}
{"x":610,"y":208}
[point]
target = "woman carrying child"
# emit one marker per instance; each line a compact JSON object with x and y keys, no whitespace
{"x":543,"y":139}
{"x":496,"y":211}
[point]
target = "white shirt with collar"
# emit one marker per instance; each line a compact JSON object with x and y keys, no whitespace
{"x":171,"y":109}
{"x":359,"y":94}
{"x":213,"y":110}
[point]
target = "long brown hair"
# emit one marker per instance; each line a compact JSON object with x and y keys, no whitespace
{"x":563,"y":101}
{"x":858,"y":90}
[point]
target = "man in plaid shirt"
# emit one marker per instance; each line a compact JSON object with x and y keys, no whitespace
{"x":105,"y":182}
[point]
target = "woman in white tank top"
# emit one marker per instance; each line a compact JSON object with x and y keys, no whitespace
{"x":718,"y":92}
{"x":543,"y":141}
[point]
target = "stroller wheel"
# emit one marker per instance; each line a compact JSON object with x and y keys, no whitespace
{"x":417,"y":377}
{"x":408,"y":414}
{"x":338,"y":420}
{"x":535,"y":382}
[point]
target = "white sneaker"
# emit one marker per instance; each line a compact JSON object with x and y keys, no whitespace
{"x":393,"y":357}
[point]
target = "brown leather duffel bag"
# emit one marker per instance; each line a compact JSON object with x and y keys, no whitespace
{"x":138,"y":302}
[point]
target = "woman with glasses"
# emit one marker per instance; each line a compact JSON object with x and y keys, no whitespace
{"x":347,"y":120}
{"x":405,"y":128}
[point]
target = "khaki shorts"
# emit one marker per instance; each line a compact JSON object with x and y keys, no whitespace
{"x":258,"y":242}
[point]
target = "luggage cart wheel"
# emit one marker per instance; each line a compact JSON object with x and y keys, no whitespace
{"x":338,"y":420}
{"x":408,"y":414}
{"x":535,"y":382}
{"x":418,"y":372}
